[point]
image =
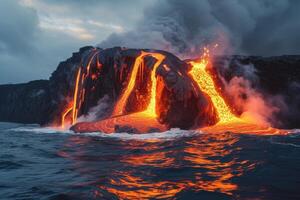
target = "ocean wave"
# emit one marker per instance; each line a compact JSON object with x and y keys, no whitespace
{"x":166,"y":135}
{"x":38,"y":129}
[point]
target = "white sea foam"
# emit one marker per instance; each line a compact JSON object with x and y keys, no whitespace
{"x":167,"y":135}
{"x":171,"y":134}
{"x":38,"y":129}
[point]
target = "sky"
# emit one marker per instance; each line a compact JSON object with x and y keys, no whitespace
{"x":35,"y":35}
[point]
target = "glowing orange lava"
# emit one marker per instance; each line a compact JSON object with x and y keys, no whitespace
{"x":79,"y":93}
{"x":151,"y":106}
{"x":140,"y":121}
{"x":207,"y":85}
{"x":75,"y":110}
{"x":64,"y":116}
{"x":120,"y":105}
{"x":118,"y":110}
{"x":74,"y":103}
{"x":227,"y":120}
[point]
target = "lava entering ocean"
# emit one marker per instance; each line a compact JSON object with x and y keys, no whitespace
{"x":195,"y":91}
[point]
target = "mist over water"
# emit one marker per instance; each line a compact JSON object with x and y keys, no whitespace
{"x":43,"y":163}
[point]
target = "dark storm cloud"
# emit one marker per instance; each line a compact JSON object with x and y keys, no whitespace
{"x":18,"y":27}
{"x":35,"y":35}
{"x":258,"y":27}
{"x":26,"y":51}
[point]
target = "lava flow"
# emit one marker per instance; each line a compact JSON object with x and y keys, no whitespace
{"x":207,"y":85}
{"x":79,"y":93}
{"x":120,"y":105}
{"x":73,"y":108}
{"x":144,"y":121}
{"x":227,"y":120}
{"x":163,"y":108}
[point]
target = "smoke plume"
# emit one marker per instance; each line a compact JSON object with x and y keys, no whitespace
{"x":256,"y":27}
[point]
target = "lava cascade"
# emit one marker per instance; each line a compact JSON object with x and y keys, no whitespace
{"x":79,"y":93}
{"x":150,"y":110}
{"x":207,"y":85}
{"x":227,"y":120}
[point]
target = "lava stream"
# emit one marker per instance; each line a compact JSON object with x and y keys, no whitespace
{"x":74,"y":103}
{"x":150,"y":110}
{"x":227,"y":120}
{"x":79,"y":93}
{"x":207,"y":85}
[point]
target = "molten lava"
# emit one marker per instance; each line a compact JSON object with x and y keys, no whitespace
{"x":147,"y":120}
{"x":207,"y":85}
{"x":79,"y":92}
{"x":74,"y":103}
{"x":150,"y":110}
{"x":64,"y":116}
{"x":227,"y":120}
{"x":75,"y":109}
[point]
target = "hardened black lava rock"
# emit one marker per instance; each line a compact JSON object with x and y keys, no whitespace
{"x":179,"y":105}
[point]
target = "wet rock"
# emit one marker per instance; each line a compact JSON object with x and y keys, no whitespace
{"x":125,"y":129}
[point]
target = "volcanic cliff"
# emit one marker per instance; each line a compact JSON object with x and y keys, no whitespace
{"x":93,"y":74}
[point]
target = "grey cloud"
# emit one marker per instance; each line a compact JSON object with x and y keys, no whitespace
{"x":257,"y":27}
{"x":18,"y":27}
{"x":26,"y":51}
{"x":31,"y":49}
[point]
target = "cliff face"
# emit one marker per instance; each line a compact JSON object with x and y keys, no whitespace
{"x":39,"y":101}
{"x":25,"y":103}
{"x":43,"y":101}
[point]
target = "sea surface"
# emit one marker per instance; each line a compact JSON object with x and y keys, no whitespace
{"x":44,"y":163}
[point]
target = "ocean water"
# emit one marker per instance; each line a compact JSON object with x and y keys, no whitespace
{"x":43,"y":163}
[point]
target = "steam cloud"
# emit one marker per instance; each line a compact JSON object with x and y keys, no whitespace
{"x":256,"y":27}
{"x":98,"y":111}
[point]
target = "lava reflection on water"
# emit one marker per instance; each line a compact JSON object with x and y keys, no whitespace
{"x":134,"y":169}
{"x":210,"y":161}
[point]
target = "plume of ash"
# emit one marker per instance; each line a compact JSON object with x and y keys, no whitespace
{"x":184,"y":27}
{"x":98,"y":111}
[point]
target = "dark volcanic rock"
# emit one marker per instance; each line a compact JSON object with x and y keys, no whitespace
{"x":179,"y":104}
{"x":105,"y":73}
{"x":41,"y":101}
{"x":25,"y":103}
